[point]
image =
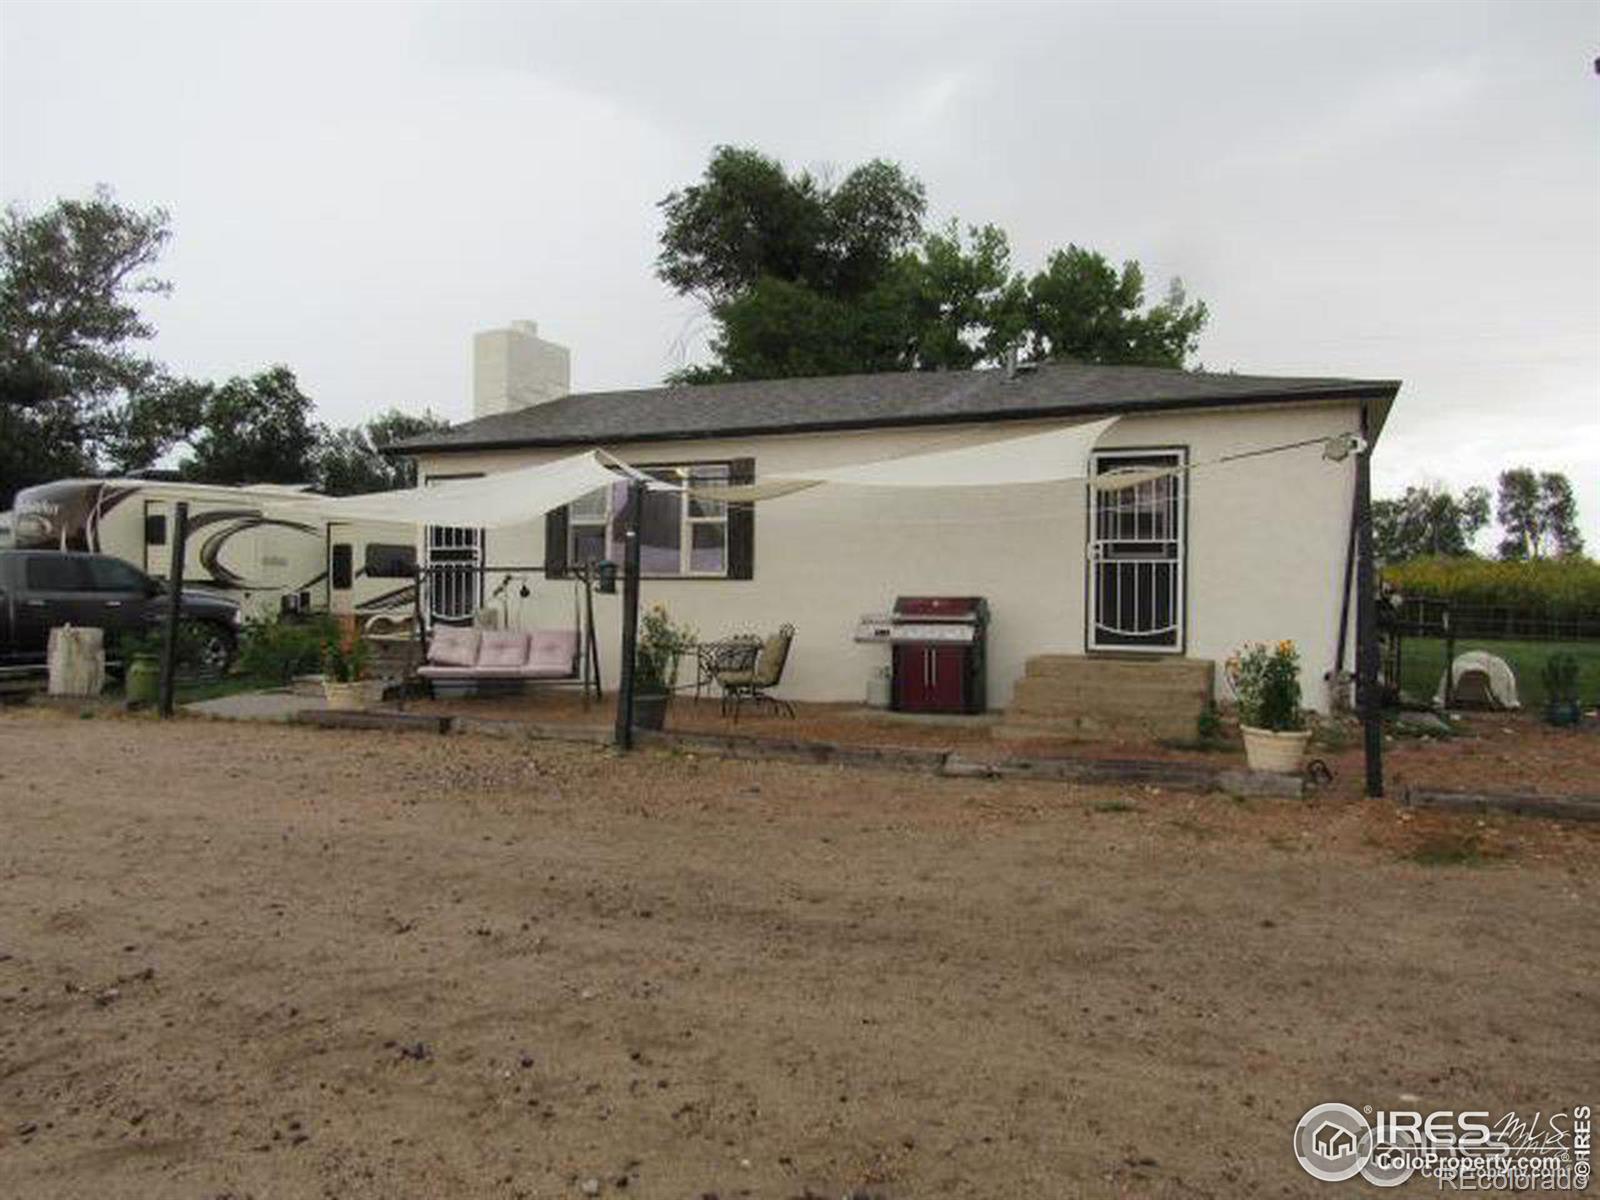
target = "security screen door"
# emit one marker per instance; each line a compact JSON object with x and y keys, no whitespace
{"x":453,"y":555}
{"x":1136,"y":555}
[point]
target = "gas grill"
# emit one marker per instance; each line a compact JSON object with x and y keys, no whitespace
{"x":938,"y":647}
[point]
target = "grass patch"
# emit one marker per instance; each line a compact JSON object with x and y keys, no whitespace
{"x":1193,"y":828}
{"x":1422,"y":665}
{"x":191,"y":691}
{"x":1451,"y":848}
{"x":1115,"y":806}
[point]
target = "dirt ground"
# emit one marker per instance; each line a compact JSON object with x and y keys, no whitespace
{"x":249,"y":961}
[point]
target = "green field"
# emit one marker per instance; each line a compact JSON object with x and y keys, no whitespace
{"x":1422,"y":665}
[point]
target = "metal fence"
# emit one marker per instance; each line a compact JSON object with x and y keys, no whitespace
{"x":1460,"y":625}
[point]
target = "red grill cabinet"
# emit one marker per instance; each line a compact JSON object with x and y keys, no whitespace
{"x":938,"y":648}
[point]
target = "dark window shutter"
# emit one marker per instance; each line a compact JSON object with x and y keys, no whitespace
{"x":555,"y":543}
{"x":742,"y":523}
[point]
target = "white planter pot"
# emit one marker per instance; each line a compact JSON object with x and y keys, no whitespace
{"x":1281,"y":753}
{"x":345,"y":697}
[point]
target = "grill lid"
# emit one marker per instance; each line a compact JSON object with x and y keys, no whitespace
{"x":967,"y":610}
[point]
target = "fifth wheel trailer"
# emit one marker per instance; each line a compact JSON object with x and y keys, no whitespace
{"x":248,"y":543}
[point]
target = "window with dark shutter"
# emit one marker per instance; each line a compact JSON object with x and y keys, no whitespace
{"x":742,"y":523}
{"x":555,"y":543}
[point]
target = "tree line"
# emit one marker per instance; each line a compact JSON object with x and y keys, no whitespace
{"x":79,"y":397}
{"x":1536,"y":511}
{"x":801,"y":275}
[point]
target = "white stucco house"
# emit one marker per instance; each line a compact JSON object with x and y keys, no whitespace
{"x":1113,"y":596}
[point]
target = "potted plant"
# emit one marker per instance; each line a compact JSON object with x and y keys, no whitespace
{"x":1267,"y":683}
{"x":655,"y":666}
{"x":344,"y":660}
{"x":1561,"y":699}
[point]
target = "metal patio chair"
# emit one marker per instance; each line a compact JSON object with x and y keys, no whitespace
{"x":753,"y":684}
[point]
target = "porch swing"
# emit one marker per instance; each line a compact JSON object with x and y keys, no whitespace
{"x":483,"y":658}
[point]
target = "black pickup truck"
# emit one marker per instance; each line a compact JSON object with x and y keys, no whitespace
{"x":40,"y":589}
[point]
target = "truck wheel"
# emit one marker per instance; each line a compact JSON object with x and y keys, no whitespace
{"x":216,"y":647}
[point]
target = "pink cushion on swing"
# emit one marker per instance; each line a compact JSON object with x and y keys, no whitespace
{"x":503,"y":648}
{"x":553,"y":650}
{"x":453,"y":646}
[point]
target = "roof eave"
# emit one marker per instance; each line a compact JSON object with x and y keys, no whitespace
{"x":1383,"y":391}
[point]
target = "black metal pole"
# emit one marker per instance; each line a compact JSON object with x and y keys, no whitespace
{"x":1367,"y":695}
{"x":1337,"y":680}
{"x":169,"y":649}
{"x":630,"y":617}
{"x":591,"y":647}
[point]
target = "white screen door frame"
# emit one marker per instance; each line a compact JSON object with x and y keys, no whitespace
{"x":1138,"y":555}
{"x":452,"y":556}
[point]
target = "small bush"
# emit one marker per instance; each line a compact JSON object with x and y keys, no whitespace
{"x":276,"y":650}
{"x":1560,"y":678}
{"x":344,"y":660}
{"x":192,"y":639}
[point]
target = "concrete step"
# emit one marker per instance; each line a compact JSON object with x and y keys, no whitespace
{"x":1070,"y":691}
{"x":1081,"y":698}
{"x":1095,"y":672}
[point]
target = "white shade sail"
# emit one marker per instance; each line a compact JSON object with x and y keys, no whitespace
{"x":512,"y":497}
{"x":1032,"y":458}
{"x":1050,"y":457}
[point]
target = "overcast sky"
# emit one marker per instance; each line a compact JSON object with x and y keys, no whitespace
{"x":1397,"y":190}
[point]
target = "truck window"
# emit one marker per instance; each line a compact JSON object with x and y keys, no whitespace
{"x":57,"y":573}
{"x":155,"y":529}
{"x":114,"y":575}
{"x":387,"y":560}
{"x":339,"y":568}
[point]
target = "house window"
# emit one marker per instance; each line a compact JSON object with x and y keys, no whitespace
{"x":679,"y":534}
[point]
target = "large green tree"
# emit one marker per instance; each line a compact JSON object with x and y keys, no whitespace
{"x":255,"y":429}
{"x":77,"y":394}
{"x":351,"y":461}
{"x":1428,"y":521}
{"x":803,"y":278}
{"x":1538,"y":514}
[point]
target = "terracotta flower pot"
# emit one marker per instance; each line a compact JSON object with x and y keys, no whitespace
{"x":1269,"y":750}
{"x":345,"y":697}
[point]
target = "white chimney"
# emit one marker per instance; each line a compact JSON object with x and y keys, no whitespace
{"x":515,"y":368}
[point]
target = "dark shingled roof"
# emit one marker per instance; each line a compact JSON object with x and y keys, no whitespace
{"x":836,"y":402}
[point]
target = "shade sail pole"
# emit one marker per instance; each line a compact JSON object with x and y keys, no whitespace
{"x":1367,"y":693}
{"x":630,"y":616}
{"x":169,"y":648}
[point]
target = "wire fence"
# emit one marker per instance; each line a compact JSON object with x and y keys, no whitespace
{"x":1421,"y":637}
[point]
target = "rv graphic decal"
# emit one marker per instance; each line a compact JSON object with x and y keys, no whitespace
{"x":405,"y":595}
{"x":63,"y":516}
{"x":242,"y":519}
